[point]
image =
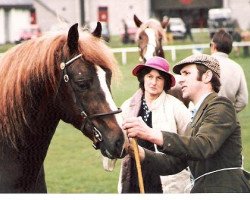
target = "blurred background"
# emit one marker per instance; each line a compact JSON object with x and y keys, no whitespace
{"x":72,"y":165}
{"x":23,"y":19}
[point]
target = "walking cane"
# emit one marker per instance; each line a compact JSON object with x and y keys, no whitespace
{"x":138,"y":164}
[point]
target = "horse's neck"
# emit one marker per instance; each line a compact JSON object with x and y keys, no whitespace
{"x":24,"y":163}
{"x":44,"y":128}
{"x":43,"y":120}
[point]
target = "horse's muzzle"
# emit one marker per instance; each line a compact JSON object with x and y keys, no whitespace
{"x":118,"y":152}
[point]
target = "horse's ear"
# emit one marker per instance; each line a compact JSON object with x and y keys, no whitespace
{"x":73,"y":37}
{"x":98,"y":30}
{"x":165,"y":22}
{"x":137,"y":21}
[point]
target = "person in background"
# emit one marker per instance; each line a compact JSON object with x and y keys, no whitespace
{"x":236,"y":38}
{"x":168,"y":30}
{"x":245,"y":35}
{"x":233,"y":81}
{"x":125,"y":39}
{"x":159,"y":111}
{"x":211,"y":145}
{"x":188,"y":24}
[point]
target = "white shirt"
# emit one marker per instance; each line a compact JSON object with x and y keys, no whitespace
{"x":197,"y":106}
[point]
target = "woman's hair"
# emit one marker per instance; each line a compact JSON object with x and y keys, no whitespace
{"x":223,"y":41}
{"x":146,"y":70}
{"x":215,"y":81}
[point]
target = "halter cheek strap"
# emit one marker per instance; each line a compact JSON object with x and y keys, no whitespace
{"x":63,"y":66}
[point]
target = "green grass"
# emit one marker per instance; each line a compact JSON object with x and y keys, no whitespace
{"x":244,"y":116}
{"x":5,"y":47}
{"x":73,"y":166}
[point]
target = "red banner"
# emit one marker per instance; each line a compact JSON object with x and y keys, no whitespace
{"x":186,"y":2}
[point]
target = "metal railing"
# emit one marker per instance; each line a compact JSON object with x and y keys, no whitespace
{"x":171,"y":48}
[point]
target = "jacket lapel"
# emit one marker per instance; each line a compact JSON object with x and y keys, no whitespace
{"x":203,"y":107}
{"x":135,"y":103}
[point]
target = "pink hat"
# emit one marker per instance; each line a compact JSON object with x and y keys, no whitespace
{"x":155,"y":63}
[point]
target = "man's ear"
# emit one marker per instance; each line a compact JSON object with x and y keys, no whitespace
{"x":207,"y":76}
{"x":213,"y":47}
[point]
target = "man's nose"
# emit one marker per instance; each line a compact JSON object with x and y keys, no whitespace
{"x":181,"y":78}
{"x":178,"y":78}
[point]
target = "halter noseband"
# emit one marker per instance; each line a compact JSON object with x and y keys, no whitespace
{"x":96,"y":132}
{"x":97,"y":136}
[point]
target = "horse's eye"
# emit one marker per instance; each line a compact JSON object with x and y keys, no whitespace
{"x":83,"y":85}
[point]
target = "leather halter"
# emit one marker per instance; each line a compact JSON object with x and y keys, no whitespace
{"x":97,"y":136}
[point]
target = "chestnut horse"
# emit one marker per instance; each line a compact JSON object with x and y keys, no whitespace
{"x":64,"y":76}
{"x":149,"y":36}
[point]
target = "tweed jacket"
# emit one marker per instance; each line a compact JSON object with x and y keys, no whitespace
{"x":168,"y":114}
{"x":212,"y":142}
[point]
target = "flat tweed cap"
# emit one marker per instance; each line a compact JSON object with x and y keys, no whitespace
{"x":204,"y":59}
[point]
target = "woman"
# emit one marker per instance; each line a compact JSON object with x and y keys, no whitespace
{"x":159,"y":111}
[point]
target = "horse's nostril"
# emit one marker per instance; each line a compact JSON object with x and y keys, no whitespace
{"x":119,"y":143}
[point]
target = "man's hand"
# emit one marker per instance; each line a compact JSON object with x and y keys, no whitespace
{"x":131,"y":150}
{"x":135,"y":127}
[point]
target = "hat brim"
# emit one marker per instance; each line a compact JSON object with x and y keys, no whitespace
{"x":139,"y":67}
{"x":203,"y":59}
{"x":177,"y":68}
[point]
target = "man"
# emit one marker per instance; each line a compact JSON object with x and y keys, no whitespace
{"x":188,"y":33}
{"x":211,"y":146}
{"x":233,"y":81}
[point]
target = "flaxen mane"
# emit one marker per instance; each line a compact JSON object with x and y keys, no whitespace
{"x":30,"y":72}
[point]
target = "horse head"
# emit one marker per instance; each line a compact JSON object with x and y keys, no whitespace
{"x":149,"y":37}
{"x":84,"y":98}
